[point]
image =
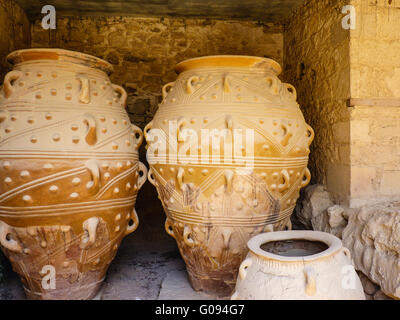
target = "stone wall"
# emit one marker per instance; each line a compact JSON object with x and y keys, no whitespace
{"x":144,"y":51}
{"x":14,"y":32}
{"x":375,"y":130}
{"x":317,"y":63}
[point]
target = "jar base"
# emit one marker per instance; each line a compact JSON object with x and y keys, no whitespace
{"x":222,"y":287}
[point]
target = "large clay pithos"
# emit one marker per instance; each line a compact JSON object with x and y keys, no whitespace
{"x":297,"y":265}
{"x":69,"y":171}
{"x":217,"y":194}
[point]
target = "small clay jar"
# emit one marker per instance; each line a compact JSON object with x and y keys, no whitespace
{"x":298,"y":265}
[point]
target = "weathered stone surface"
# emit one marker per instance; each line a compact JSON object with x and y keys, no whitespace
{"x":372,"y":233}
{"x":316,"y":51}
{"x":313,"y":207}
{"x":356,"y":152}
{"x":370,"y":288}
{"x":373,"y":237}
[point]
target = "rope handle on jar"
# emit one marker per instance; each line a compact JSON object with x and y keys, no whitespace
{"x":142,"y":178}
{"x":122,"y":92}
{"x":135,"y":223}
{"x":6,"y":241}
{"x":165,"y":89}
{"x":11,"y":76}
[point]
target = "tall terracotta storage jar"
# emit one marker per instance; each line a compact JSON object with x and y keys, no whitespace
{"x":228,"y":150}
{"x":69,"y":171}
{"x":297,"y":265}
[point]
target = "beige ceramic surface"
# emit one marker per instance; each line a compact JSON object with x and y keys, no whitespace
{"x":327,"y":275}
{"x":69,"y":170}
{"x":214,"y":209}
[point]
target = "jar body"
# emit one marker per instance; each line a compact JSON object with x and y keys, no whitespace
{"x":228,"y":151}
{"x":70,"y":171}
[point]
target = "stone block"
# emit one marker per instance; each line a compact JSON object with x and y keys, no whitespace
{"x":390,"y":183}
{"x":362,"y":182}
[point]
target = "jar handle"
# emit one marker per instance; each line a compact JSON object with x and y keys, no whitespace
{"x":243,"y":268}
{"x":150,"y":177}
{"x":165,"y":89}
{"x":94,"y":170}
{"x":347,"y":252}
{"x":85,"y":91}
{"x":137,"y":131}
{"x":179,"y":177}
{"x":91,"y":135}
{"x":273,"y":85}
{"x":189,"y":84}
{"x":122,"y":92}
{"x":168,"y":228}
{"x":187,"y":232}
{"x":142,"y":178}
{"x":90,"y":225}
{"x":7,"y":243}
{"x":310,"y":134}
{"x":146,"y":129}
{"x":11,"y":76}
{"x":292,"y":90}
{"x":311,"y":284}
{"x":286,"y":180}
{"x":307,"y":176}
{"x":135,"y":224}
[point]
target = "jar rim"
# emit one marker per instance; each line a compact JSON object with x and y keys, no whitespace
{"x":254,"y":244}
{"x":229,"y":61}
{"x":24,"y":55}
